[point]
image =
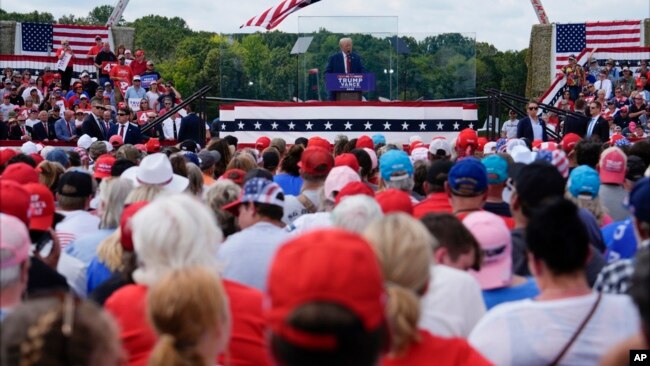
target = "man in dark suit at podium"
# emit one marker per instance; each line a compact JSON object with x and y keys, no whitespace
{"x":345,"y":61}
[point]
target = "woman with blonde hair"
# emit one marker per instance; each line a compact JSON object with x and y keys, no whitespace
{"x":220,"y":194}
{"x":49,"y":173}
{"x":403,"y":247}
{"x":582,"y":189}
{"x":188,"y":308}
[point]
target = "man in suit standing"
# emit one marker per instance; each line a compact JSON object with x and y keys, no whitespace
{"x":575,"y":124}
{"x":191,"y":126}
{"x":65,"y":127}
{"x":130,"y":132}
{"x":532,"y":127}
{"x":345,"y":61}
{"x":93,"y":124}
{"x":598,"y":127}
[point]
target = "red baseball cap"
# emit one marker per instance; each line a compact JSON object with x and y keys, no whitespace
{"x":347,"y":159}
{"x":235,"y":175}
{"x":354,"y":188}
{"x":318,"y":141}
{"x":6,"y":154}
{"x":365,"y":141}
{"x":332,"y":266}
{"x":612,"y":165}
{"x":126,"y":232}
{"x":103,"y":166}
{"x":262,"y":143}
{"x":414,"y":145}
{"x":20,"y":172}
{"x":116,"y":140}
{"x":139,"y":53}
{"x":467,"y":137}
{"x":394,"y":200}
{"x":537,"y":143}
{"x":14,"y":200}
{"x":316,"y":160}
{"x":41,"y":207}
{"x":153,"y":145}
{"x":37,"y":158}
{"x":141,"y":147}
{"x":481,"y":143}
{"x":569,"y":141}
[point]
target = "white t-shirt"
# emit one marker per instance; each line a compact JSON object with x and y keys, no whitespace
{"x":74,"y":271}
{"x":75,"y":225}
{"x":294,"y":209}
{"x":308,"y":222}
{"x":510,"y":128}
{"x":531,"y":333}
{"x":453,"y":303}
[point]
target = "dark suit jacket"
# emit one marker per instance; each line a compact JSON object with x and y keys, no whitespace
{"x":15,"y":133}
{"x":190,"y":129}
{"x":133,"y":135}
{"x":335,"y":63}
{"x":576,"y":125}
{"x":600,"y":131}
{"x":38,"y":131}
{"x":525,"y":129}
{"x":90,"y":128}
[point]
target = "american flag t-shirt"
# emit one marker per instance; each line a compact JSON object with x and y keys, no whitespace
{"x":574,"y":38}
{"x":39,"y":39}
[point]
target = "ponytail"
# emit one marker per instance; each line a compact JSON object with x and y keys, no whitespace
{"x":403,"y":310}
{"x":169,"y":352}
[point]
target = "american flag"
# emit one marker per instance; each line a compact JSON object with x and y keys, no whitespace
{"x":573,"y":38}
{"x":39,"y":39}
{"x":273,"y":16}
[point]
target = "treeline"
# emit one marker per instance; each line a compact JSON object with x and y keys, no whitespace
{"x":259,"y":66}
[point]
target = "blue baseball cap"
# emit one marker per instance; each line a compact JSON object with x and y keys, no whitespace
{"x":468,"y":178}
{"x":394,"y":161}
{"x":584,"y":179}
{"x":497,"y":169}
{"x":378,"y":139}
{"x":638,"y":200}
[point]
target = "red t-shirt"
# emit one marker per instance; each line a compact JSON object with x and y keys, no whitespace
{"x":138,"y":68}
{"x":122,"y":72}
{"x":435,"y":202}
{"x":94,"y":50}
{"x":128,"y":306}
{"x":434,"y":350}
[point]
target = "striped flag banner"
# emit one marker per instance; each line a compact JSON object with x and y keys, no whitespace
{"x":36,"y":64}
{"x":397,"y":121}
{"x":273,"y":16}
{"x":570,"y":39}
{"x":44,"y":39}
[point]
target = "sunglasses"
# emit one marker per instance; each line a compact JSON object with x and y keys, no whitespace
{"x":533,"y":108}
{"x":104,"y":108}
{"x":121,"y":114}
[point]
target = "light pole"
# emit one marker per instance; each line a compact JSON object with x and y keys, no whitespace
{"x":389,"y":75}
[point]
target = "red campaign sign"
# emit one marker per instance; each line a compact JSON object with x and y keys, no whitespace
{"x":123,"y":86}
{"x":107,"y":66}
{"x":142,"y":117}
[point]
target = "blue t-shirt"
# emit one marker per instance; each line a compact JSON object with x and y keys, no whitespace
{"x":497,"y":296}
{"x":290,"y":184}
{"x":96,"y":274}
{"x":620,"y":240}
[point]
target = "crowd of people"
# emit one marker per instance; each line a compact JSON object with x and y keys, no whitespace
{"x":307,"y":252}
{"x":125,"y":85}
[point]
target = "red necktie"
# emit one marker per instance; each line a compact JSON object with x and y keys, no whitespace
{"x":347,"y":64}
{"x":122,"y":131}
{"x":22,"y":129}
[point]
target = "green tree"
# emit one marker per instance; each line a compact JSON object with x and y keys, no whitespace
{"x":34,"y":16}
{"x":100,"y":14}
{"x":159,"y":36}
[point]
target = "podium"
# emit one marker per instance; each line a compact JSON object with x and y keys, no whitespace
{"x":349,"y":87}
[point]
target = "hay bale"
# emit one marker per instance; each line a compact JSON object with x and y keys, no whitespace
{"x":538,"y":60}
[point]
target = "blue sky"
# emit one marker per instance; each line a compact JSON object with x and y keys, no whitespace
{"x":504,"y":23}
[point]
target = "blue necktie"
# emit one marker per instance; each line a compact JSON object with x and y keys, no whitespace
{"x":591,"y":127}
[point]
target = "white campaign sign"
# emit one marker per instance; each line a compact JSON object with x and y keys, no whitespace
{"x":134,"y":104}
{"x":63,"y":62}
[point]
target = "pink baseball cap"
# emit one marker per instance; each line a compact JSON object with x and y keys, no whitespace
{"x":338,"y":178}
{"x":494,"y":238}
{"x":14,"y":238}
{"x":612,"y":166}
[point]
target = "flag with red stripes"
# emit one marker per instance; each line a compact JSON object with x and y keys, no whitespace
{"x":43,"y":39}
{"x":273,"y":16}
{"x":573,"y":38}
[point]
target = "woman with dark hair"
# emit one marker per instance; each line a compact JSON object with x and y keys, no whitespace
{"x":568,"y":323}
{"x":288,"y":176}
